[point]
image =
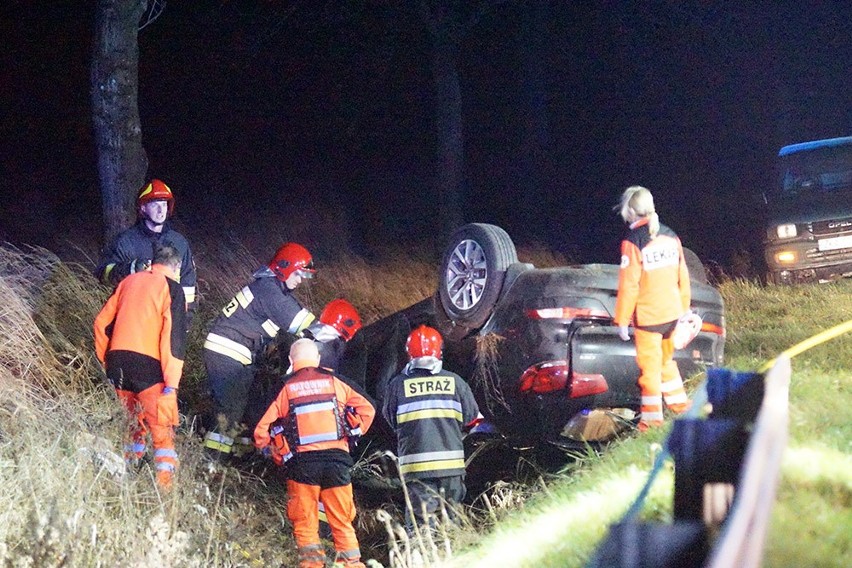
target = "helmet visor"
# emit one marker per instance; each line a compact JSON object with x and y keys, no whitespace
{"x":304,"y":273}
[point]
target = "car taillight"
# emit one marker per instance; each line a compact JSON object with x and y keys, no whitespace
{"x":554,"y":375}
{"x":567,"y":313}
{"x":585,"y":384}
{"x":713,"y":328}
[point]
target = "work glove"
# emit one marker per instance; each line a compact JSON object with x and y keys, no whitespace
{"x":321,"y":332}
{"x":623,"y":333}
{"x":167,"y":408}
{"x":139,"y":265}
{"x":353,"y":423}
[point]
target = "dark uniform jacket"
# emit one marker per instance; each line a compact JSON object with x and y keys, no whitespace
{"x":428,"y":413}
{"x":139,"y":333}
{"x":137,"y":243}
{"x":254,"y":317}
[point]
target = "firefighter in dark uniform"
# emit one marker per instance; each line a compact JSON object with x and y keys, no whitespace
{"x":310,"y":426}
{"x":429,"y":408}
{"x":133,"y":249}
{"x":335,"y":334}
{"x":237,"y":337}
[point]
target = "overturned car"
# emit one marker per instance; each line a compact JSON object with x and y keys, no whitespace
{"x":537,"y":346}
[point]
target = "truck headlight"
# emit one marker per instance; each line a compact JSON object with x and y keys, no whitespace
{"x":785,"y":257}
{"x":786,"y":231}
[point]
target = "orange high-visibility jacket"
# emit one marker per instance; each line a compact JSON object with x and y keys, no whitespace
{"x":317,"y":400}
{"x":140,"y":334}
{"x":653,"y":284}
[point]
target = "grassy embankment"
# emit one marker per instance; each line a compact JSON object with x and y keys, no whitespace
{"x":59,"y":423}
{"x":811,"y":524}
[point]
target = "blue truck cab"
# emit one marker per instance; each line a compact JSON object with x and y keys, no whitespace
{"x":809,"y":224}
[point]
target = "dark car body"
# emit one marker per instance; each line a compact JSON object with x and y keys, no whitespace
{"x":547,"y":352}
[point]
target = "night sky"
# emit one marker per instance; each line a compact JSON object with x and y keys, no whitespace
{"x":318,"y":113}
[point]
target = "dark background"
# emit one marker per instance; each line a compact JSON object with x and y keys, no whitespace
{"x":319,"y":114}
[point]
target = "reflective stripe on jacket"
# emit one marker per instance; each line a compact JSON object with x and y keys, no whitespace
{"x":314,"y":400}
{"x":653,"y":283}
{"x":253,"y":317}
{"x":428,"y":413}
{"x":138,"y":242}
{"x":140,"y":332}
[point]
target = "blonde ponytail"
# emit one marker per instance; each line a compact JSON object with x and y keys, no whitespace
{"x":636,"y":203}
{"x":654,"y":225}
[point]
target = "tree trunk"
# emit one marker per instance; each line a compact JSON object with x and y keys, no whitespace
{"x":122,"y":162}
{"x":443,"y":30}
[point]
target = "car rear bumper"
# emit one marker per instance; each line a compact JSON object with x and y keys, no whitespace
{"x":598,"y":350}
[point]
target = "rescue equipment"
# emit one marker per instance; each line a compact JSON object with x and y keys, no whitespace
{"x":290,"y":258}
{"x":424,"y":341}
{"x":156,"y":190}
{"x":342,"y":316}
{"x":687,"y":329}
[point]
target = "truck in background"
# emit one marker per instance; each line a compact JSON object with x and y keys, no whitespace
{"x":809,"y":224}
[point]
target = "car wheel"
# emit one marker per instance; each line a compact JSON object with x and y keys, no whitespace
{"x":472,"y":273}
{"x":696,"y":268}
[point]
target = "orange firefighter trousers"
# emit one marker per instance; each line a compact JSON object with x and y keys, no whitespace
{"x":142,"y":407}
{"x":660,"y":378}
{"x":303,"y":512}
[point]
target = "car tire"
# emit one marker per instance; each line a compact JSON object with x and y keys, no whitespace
{"x":697,"y":272}
{"x":472,"y":272}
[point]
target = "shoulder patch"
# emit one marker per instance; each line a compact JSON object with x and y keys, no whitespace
{"x":625,"y":261}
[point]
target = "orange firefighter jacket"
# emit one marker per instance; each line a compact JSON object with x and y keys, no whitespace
{"x":317,"y":410}
{"x":653,"y":284}
{"x":140,"y":333}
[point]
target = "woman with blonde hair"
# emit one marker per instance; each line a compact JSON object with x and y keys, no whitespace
{"x":653,"y":293}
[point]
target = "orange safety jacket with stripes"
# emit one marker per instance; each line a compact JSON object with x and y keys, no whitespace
{"x":140,"y":333}
{"x":314,"y":406}
{"x":428,"y":412}
{"x":653,"y":283}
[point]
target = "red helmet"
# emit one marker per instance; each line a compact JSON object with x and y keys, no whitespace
{"x":290,"y":258}
{"x":424,"y":341}
{"x":342,"y":316}
{"x":156,"y":190}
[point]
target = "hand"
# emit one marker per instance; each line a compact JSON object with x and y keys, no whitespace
{"x":167,"y":409}
{"x":623,"y":333}
{"x":139,"y":265}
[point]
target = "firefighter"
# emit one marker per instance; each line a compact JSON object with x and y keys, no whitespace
{"x":653,"y":293}
{"x":133,"y":249}
{"x":338,"y":324}
{"x":333,"y":333}
{"x":309,"y":426}
{"x":429,"y":407}
{"x":238,"y":336}
{"x":140,"y":340}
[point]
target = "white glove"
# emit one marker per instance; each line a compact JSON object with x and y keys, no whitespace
{"x":623,"y":333}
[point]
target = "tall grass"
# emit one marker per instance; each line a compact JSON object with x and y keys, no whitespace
{"x":67,"y":501}
{"x":811,"y":523}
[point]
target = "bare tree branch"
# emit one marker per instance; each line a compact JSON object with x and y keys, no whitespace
{"x":156,"y":8}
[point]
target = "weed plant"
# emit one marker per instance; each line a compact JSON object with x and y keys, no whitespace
{"x":69,"y":501}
